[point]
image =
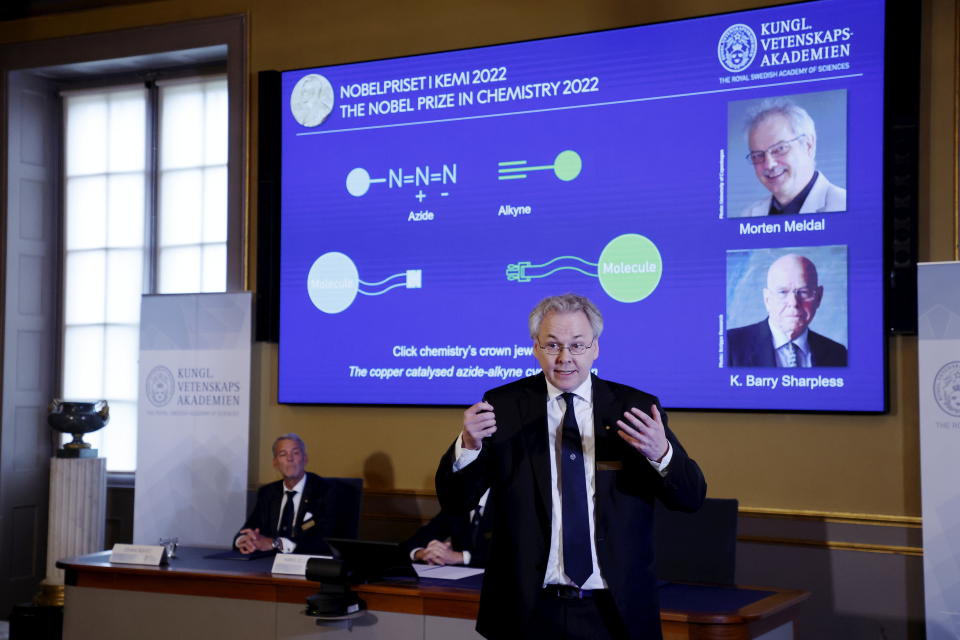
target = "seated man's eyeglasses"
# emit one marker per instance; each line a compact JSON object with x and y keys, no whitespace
{"x":575,"y":349}
{"x":776,"y":151}
{"x":805,"y":294}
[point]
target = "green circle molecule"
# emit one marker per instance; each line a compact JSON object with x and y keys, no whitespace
{"x":567,"y":165}
{"x":630,"y":268}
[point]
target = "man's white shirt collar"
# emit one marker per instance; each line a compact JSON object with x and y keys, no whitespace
{"x":299,"y":486}
{"x":584,"y":391}
{"x":780,"y":338}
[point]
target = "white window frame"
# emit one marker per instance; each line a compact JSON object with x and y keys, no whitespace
{"x":152,"y":248}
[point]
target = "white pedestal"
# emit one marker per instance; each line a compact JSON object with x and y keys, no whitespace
{"x":78,"y":512}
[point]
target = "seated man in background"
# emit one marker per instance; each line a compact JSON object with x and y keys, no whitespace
{"x":296,"y":513}
{"x":454,"y":538}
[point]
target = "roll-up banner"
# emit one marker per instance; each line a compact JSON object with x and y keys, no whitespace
{"x":194,"y":418}
{"x":939,"y":368}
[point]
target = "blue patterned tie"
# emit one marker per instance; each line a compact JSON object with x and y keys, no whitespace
{"x":797,"y":354}
{"x":577,"y":562}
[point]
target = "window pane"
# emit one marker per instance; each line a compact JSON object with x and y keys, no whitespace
{"x":215,"y":205}
{"x":181,"y":126}
{"x":85,"y":287}
{"x":119,"y":440}
{"x":181,"y":207}
{"x":86,"y":211}
{"x":107,"y":250}
{"x":121,"y":357}
{"x":124,"y":285}
{"x":95,"y":439}
{"x":86,"y":125}
{"x":216,"y":125}
{"x":126,"y":207}
{"x":179,"y":270}
{"x":83,"y":349}
{"x":127,"y":130}
{"x":214,"y":268}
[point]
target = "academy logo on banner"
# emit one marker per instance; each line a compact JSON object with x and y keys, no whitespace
{"x":159,"y":386}
{"x":946,"y":388}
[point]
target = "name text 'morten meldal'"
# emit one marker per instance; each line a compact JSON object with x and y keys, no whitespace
{"x":789,"y":225}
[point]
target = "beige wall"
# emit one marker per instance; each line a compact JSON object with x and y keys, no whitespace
{"x":860,"y":464}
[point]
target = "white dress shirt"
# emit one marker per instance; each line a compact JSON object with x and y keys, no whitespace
{"x":287,"y":545}
{"x":556,"y":408}
{"x":781,"y":343}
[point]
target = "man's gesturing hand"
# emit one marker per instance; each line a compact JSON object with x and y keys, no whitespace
{"x":644,"y":433}
{"x":478,"y":423}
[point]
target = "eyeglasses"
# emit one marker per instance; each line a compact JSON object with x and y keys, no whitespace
{"x":805,"y":294}
{"x":575,"y":349}
{"x":776,"y":151}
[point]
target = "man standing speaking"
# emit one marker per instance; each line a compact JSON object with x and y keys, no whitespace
{"x":573,"y":464}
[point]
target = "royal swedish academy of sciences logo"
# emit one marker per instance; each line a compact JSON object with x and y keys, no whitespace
{"x":946,"y":388}
{"x":737,"y":47}
{"x":160,"y":386}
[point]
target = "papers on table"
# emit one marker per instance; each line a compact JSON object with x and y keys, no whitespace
{"x":445,"y":573}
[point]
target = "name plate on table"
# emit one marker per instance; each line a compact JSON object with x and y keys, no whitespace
{"x":152,"y":554}
{"x":293,"y":563}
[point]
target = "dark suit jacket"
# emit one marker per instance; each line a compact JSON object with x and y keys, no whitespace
{"x":752,"y":346}
{"x":321,"y":498}
{"x":514,"y":463}
{"x":456,"y":527}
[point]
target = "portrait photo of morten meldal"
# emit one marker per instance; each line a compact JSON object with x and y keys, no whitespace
{"x":787,"y":155}
{"x":787,"y":307}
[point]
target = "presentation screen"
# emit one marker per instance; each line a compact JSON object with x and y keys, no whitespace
{"x":714,"y":185}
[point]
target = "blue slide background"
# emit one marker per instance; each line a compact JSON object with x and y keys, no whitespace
{"x":653,"y":141}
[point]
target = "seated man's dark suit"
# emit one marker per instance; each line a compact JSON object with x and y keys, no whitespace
{"x":457,"y":527}
{"x":514,"y":463}
{"x":321,"y":498}
{"x":752,"y":346}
